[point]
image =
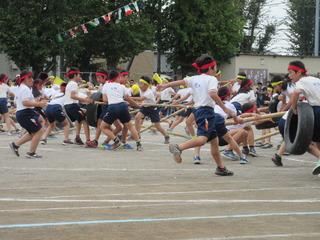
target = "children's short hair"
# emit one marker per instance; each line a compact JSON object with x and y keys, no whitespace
{"x":204,"y":59}
{"x":299,"y":65}
{"x":248,"y":108}
{"x":43,"y":76}
{"x":3,"y":77}
{"x":73,"y":71}
{"x":246,"y":85}
{"x":147,"y":79}
{"x":223,"y":93}
{"x":113,"y":74}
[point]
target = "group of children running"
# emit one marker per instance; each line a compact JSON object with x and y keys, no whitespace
{"x":206,"y":104}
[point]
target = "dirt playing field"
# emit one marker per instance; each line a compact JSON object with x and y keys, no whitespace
{"x":78,"y":193}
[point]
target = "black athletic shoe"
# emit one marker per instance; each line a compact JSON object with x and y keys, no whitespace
{"x":223,"y":172}
{"x":277,"y":160}
{"x":14,"y":148}
{"x":245,"y":151}
{"x":33,"y":156}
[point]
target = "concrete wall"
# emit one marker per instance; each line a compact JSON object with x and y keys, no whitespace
{"x":274,"y":64}
{"x":7,"y":66}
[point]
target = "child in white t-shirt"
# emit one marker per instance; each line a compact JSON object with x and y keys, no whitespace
{"x":4,"y":92}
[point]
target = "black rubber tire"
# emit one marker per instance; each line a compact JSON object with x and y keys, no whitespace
{"x":93,"y":113}
{"x":266,"y":125}
{"x":298,"y":131}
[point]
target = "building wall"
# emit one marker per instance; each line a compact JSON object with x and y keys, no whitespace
{"x":7,"y":66}
{"x":274,"y":64}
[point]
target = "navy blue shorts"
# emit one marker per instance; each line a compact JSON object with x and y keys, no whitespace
{"x":205,"y":119}
{"x":238,"y":107}
{"x":221,"y":129}
{"x":3,"y":105}
{"x":281,"y":126}
{"x":185,"y":113}
{"x":55,"y":113}
{"x":117,"y":111}
{"x":103,"y":112}
{"x":29,"y":120}
{"x":152,"y":113}
{"x":316,"y":130}
{"x":74,"y":112}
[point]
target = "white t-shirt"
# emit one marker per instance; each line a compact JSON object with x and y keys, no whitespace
{"x":201,"y":85}
{"x":228,"y":105}
{"x":149,"y":96}
{"x":243,"y":98}
{"x":184,"y":92}
{"x":166,"y":95}
{"x":14,"y":89}
{"x":72,"y":86}
{"x":4,"y":89}
{"x":129,"y":91}
{"x":49,"y":92}
{"x":57,"y":98}
{"x":236,"y":87}
{"x":310,"y":87}
{"x":154,"y":90}
{"x":115,"y":92}
{"x":24,"y":93}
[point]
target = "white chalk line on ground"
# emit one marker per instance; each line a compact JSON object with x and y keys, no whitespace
{"x":182,"y":192}
{"x":225,"y":201}
{"x":280,"y":235}
{"x":158,"y":220}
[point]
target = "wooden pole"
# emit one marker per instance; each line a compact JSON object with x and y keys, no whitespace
{"x":164,"y":119}
{"x":178,"y":135}
{"x":261,"y":117}
{"x":166,"y":105}
{"x":267,"y":136}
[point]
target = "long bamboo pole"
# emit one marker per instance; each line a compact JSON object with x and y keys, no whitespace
{"x":267,"y":136}
{"x":261,"y":117}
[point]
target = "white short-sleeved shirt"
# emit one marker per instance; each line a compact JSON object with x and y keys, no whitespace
{"x":14,"y":89}
{"x":115,"y":92}
{"x":184,"y":92}
{"x":236,"y":87}
{"x":244,"y":98}
{"x":24,"y":93}
{"x":228,"y":105}
{"x":149,"y":96}
{"x":4,"y":89}
{"x":201,"y":85}
{"x":166,"y":94}
{"x":310,"y":87}
{"x":154,"y":90}
{"x":129,"y":91}
{"x":72,"y":86}
{"x":49,"y":92}
{"x":57,"y":98}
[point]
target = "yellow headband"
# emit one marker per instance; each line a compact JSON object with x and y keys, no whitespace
{"x":276,"y":83}
{"x":270,"y":89}
{"x":144,"y":81}
{"x":241,"y":77}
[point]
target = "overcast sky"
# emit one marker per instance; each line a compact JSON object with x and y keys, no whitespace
{"x":276,"y":10}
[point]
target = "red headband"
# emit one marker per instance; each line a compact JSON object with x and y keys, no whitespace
{"x":21,"y":79}
{"x":5,"y":78}
{"x":296,"y":68}
{"x":101,"y":74}
{"x":72,"y":72}
{"x":250,"y":82}
{"x":124,"y":73}
{"x":207,"y":66}
{"x":224,"y":97}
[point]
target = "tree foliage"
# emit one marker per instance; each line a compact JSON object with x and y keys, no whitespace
{"x":301,"y":26}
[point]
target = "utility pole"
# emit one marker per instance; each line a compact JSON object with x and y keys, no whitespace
{"x":316,"y":38}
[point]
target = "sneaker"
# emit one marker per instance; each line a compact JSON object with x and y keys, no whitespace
{"x":127,"y":146}
{"x":33,"y":156}
{"x":9,"y":133}
{"x":14,"y":148}
{"x":259,"y":144}
{"x":91,"y":144}
{"x":139,"y":147}
{"x":78,"y":141}
{"x":277,"y":160}
{"x":196,"y":160}
{"x":267,"y":145}
{"x":230,"y":155}
{"x":116,"y":145}
{"x":243,"y":160}
{"x":66,"y":142}
{"x":174,"y":149}
{"x":44,"y":141}
{"x":166,"y":139}
{"x":223,"y":172}
{"x":245,"y":151}
{"x":253,"y":153}
{"x":316,"y":170}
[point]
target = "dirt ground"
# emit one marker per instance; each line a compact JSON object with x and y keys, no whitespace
{"x":79,"y":193}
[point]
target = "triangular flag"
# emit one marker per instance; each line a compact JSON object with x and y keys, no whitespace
{"x":71,"y":33}
{"x":94,"y":23}
{"x":128,"y":10}
{"x":136,"y":6}
{"x":120,"y":10}
{"x":107,"y":18}
{"x":59,"y":38}
{"x":84,"y":28}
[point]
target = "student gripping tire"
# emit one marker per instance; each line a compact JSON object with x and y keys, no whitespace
{"x":299,"y":129}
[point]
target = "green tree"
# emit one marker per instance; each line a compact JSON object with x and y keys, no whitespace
{"x":203,"y":27}
{"x":301,"y":26}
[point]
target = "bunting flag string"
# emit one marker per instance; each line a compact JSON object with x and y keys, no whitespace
{"x":114,"y":16}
